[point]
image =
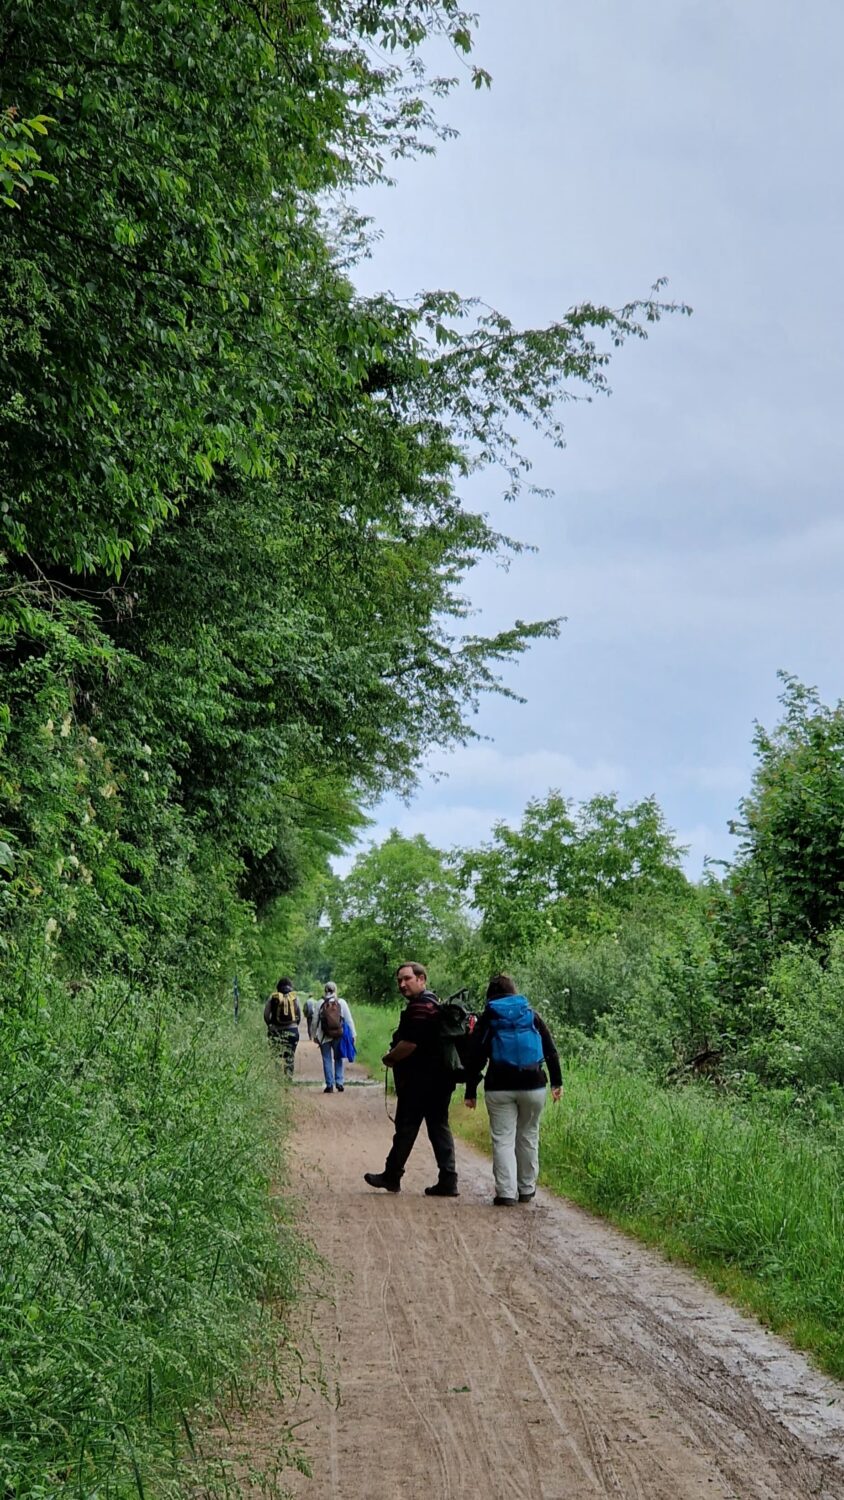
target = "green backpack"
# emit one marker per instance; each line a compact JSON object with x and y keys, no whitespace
{"x":455,"y":1023}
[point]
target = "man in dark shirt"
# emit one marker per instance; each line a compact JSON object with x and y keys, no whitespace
{"x":424,"y":1085}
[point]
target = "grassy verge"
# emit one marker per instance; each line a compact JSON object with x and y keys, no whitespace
{"x":144,"y":1259}
{"x":755,"y":1203}
{"x":374,"y":1025}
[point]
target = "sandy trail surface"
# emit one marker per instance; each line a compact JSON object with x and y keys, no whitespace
{"x":531,"y":1353}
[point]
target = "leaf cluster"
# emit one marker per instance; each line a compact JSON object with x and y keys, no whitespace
{"x":19,"y":158}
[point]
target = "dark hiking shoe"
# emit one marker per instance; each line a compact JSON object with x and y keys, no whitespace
{"x":328,"y":1090}
{"x":527,"y":1197}
{"x":340,"y":1088}
{"x":504,"y":1202}
{"x":443,"y":1190}
{"x":378,"y":1179}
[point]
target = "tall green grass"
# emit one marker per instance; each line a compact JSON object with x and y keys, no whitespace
{"x":143,"y":1258}
{"x":374,"y":1026}
{"x":753,"y":1198}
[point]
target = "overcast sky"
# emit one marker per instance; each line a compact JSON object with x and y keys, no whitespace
{"x":696,"y":538}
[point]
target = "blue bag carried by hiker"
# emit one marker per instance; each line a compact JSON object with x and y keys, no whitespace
{"x":514,"y":1039}
{"x":347,"y":1043}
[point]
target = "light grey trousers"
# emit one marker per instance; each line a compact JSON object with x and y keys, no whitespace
{"x":514,"y":1116}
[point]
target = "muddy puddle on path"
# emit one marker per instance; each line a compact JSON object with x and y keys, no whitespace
{"x":524,"y":1354}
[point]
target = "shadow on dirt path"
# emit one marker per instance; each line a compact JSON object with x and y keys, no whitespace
{"x":530,"y":1353}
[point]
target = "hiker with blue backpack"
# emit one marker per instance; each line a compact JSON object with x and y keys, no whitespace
{"x":512,"y":1043}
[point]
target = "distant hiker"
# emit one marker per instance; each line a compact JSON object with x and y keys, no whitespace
{"x":512,"y":1042}
{"x":309,"y":1009}
{"x":328,"y":1034}
{"x":282,"y":1016}
{"x":425,"y":1082}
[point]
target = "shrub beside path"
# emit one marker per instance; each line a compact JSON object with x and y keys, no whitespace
{"x":531,"y":1353}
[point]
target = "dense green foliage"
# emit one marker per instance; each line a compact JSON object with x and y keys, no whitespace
{"x":232,"y":552}
{"x":230,"y":536}
{"x":565,"y":872}
{"x":789,"y":880}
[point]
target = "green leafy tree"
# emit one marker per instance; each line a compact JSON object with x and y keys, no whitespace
{"x":227,"y":476}
{"x":788,"y":881}
{"x":399,"y":901}
{"x":565,"y":871}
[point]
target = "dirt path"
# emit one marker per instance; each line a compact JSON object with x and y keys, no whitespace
{"x":530,"y":1353}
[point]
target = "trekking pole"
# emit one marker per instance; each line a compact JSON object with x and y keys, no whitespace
{"x":391,"y":1118}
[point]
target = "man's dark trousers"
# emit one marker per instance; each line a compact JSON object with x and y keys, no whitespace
{"x":418,"y":1100}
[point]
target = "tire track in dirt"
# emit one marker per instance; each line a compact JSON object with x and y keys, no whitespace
{"x":590,"y":1469}
{"x":389,"y":1325}
{"x":532,"y":1353}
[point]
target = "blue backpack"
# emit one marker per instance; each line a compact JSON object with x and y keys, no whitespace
{"x":514,"y":1039}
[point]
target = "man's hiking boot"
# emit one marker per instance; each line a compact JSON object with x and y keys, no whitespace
{"x":527,"y":1197}
{"x":378,"y":1179}
{"x":504,"y":1202}
{"x":340,"y":1088}
{"x":328,"y":1089}
{"x":443,"y":1190}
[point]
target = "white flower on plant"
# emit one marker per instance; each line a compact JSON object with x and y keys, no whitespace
{"x":50,"y":929}
{"x":147,"y":749}
{"x":108,"y":790}
{"x":145,"y":776}
{"x":73,"y":861}
{"x":93,"y":742}
{"x":49,"y":727}
{"x":65,"y":729}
